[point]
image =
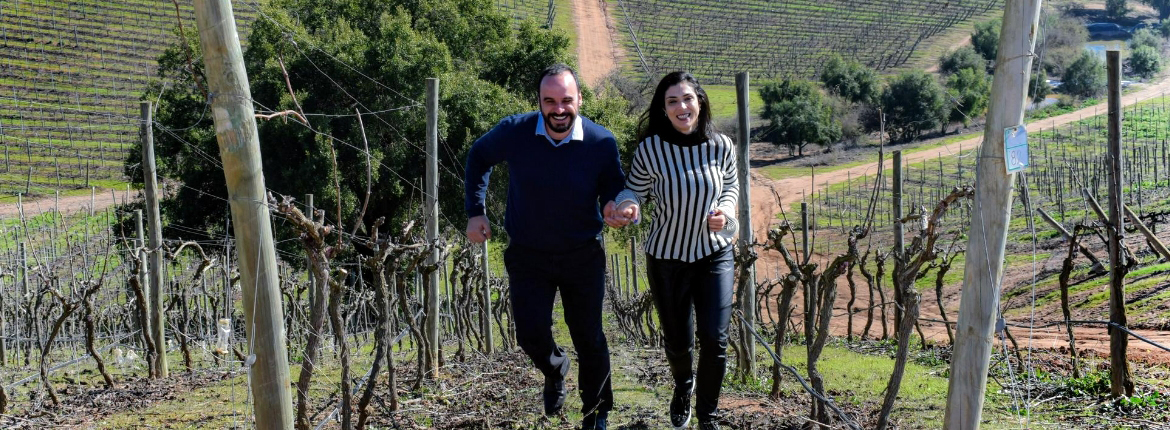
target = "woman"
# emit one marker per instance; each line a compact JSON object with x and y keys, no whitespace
{"x":688,"y":170}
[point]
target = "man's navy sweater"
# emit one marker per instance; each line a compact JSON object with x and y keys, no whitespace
{"x":554,"y":192}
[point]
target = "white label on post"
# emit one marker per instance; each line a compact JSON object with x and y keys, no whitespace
{"x":1015,"y":148}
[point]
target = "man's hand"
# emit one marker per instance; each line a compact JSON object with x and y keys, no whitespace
{"x":478,"y":229}
{"x":716,"y":220}
{"x":614,"y":216}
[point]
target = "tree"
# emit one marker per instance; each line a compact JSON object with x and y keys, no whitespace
{"x":341,"y":58}
{"x":913,"y":102}
{"x":967,"y":93}
{"x":959,"y":59}
{"x":1145,"y":61}
{"x":985,"y":39}
{"x":1085,"y":77}
{"x":798,"y":115}
{"x":1116,"y":8}
{"x":1162,"y":6}
{"x":851,"y":80}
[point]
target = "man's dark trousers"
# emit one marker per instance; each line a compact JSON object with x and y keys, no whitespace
{"x":579,"y":273}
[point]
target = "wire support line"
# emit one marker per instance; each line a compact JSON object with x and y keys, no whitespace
{"x":9,"y":387}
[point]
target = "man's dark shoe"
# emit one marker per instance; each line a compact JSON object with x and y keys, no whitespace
{"x":595,"y":421}
{"x":554,"y":392}
{"x":708,"y":425}
{"x":680,"y":406}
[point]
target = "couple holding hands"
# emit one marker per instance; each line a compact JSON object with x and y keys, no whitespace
{"x":566,"y":180}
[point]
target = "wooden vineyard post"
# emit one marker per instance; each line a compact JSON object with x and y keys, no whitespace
{"x":746,"y":238}
{"x":485,"y":318}
{"x":987,"y":238}
{"x":239,"y":149}
{"x":899,"y":233}
{"x":1120,"y":379}
{"x":154,"y":244}
{"x":143,"y":276}
{"x":1069,"y":237}
{"x":1150,"y":236}
{"x":806,"y":252}
{"x":314,"y":294}
{"x":431,"y":212}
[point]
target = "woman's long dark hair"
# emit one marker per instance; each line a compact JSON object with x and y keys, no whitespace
{"x":654,"y":120}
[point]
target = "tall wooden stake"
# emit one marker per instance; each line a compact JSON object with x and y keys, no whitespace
{"x":899,"y":235}
{"x":485,"y":319}
{"x":983,"y":270}
{"x":154,"y":242}
{"x":239,"y":149}
{"x":746,"y":233}
{"x":1120,"y":379}
{"x":431,"y":211}
{"x":143,"y":282}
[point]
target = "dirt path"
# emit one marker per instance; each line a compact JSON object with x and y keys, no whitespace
{"x":71,"y":204}
{"x":1091,"y":339}
{"x":597,"y":50}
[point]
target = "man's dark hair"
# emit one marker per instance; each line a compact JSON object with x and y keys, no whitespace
{"x":554,"y":70}
{"x":654,"y":120}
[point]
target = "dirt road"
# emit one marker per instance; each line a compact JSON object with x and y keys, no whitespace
{"x":597,"y":50}
{"x":102,"y":199}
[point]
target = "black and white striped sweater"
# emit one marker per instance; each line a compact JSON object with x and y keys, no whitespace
{"x":686,"y":182}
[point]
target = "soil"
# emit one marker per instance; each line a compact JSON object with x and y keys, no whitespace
{"x":598,"y":52}
{"x":70,"y":204}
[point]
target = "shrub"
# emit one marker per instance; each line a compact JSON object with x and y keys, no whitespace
{"x":1145,"y":37}
{"x":959,"y":59}
{"x":1062,"y":41}
{"x":1038,"y":86}
{"x":985,"y":39}
{"x":968,"y":91}
{"x":1085,"y":77}
{"x":1145,"y":61}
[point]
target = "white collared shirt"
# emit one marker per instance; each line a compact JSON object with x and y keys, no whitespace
{"x":575,"y":133}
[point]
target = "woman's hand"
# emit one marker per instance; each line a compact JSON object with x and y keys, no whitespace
{"x":716,"y":220}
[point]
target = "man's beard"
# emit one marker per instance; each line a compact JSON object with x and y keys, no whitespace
{"x":558,"y":128}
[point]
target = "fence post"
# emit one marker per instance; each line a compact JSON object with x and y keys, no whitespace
{"x":431,"y":211}
{"x":150,"y":179}
{"x":746,"y":238}
{"x":978,"y":309}
{"x":1120,"y":379}
{"x":485,"y":318}
{"x":239,"y":149}
{"x":144,"y":270}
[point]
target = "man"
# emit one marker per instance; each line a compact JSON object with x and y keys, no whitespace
{"x":560,"y":167}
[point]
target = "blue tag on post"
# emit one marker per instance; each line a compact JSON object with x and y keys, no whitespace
{"x":1015,"y":148}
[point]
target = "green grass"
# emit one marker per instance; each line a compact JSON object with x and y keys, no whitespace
{"x":724,"y":102}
